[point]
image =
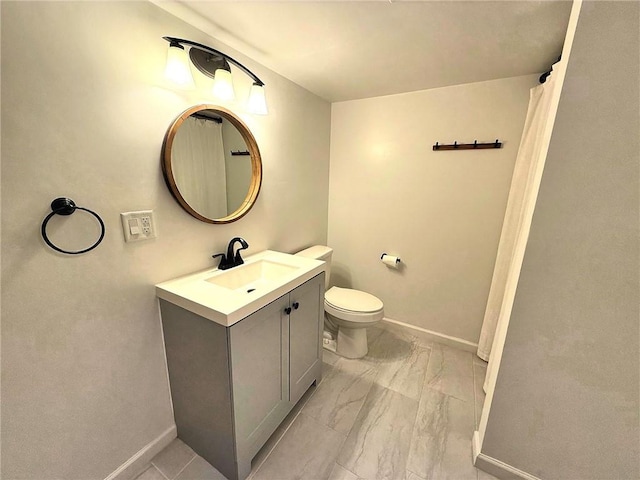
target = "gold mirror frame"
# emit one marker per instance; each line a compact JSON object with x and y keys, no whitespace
{"x":252,"y":146}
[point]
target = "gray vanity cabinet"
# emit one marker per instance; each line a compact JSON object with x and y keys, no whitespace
{"x":232,"y":386}
{"x":305,"y":334}
{"x":259,"y":351}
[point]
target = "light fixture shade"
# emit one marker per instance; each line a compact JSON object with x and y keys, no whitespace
{"x":257,"y":102}
{"x":177,"y":69}
{"x":223,"y":85}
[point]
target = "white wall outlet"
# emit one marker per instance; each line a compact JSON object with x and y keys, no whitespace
{"x":138,"y":226}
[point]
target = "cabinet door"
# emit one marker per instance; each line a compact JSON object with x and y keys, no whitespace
{"x":259,"y":373}
{"x":305,"y":334}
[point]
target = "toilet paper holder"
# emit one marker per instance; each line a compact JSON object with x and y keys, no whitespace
{"x":395,"y":260}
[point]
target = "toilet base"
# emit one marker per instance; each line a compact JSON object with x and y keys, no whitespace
{"x":329,"y":344}
{"x":352,"y":342}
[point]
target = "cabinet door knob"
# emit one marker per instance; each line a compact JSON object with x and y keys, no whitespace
{"x":287,"y":310}
{"x":295,"y":305}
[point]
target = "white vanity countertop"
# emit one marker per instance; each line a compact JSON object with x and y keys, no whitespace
{"x":199,"y":293}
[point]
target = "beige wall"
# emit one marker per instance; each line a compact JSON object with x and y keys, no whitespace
{"x":441,"y":212}
{"x":566,"y":399}
{"x":84,"y":112}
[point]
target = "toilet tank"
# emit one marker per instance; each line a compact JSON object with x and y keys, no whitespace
{"x":320,"y":252}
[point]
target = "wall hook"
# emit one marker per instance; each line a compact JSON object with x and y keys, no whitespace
{"x":467,"y":146}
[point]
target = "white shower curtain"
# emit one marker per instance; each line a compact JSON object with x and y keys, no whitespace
{"x":199,"y":166}
{"x":522,"y":195}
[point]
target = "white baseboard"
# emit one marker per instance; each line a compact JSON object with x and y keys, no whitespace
{"x":138,"y":462}
{"x":430,"y":335}
{"x":495,"y":467}
{"x":475,"y":445}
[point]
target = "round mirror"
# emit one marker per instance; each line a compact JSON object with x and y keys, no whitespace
{"x":212,"y":164}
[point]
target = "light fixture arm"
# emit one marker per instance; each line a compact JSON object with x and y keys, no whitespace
{"x":179,"y":41}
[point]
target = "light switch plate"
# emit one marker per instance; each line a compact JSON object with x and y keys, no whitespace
{"x":138,"y":225}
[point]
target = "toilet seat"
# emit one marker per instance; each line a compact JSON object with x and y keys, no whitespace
{"x":353,"y":305}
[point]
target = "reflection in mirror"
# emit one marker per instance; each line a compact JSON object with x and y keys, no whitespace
{"x":212,"y":164}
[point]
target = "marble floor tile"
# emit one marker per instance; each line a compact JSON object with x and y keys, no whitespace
{"x":407,"y":411}
{"x":338,"y":399}
{"x":389,"y":346}
{"x":441,"y":441}
{"x":405,"y":375}
{"x":374,"y":332}
{"x":326,"y":371}
{"x":173,"y":459}
{"x":413,"y":476}
{"x":151,"y":473}
{"x":341,"y":473}
{"x":479,"y":373}
{"x":415,"y":336}
{"x":450,"y":371}
{"x":308,"y":450}
{"x":199,"y":469}
{"x":273,"y":440}
{"x":329,"y":357}
{"x":378,"y":444}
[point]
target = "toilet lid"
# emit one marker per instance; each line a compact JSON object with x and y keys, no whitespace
{"x":352,"y":300}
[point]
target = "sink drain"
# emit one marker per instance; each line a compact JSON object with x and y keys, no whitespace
{"x":250,"y":290}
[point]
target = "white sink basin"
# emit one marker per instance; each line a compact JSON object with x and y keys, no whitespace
{"x":251,"y":276}
{"x":227,"y":296}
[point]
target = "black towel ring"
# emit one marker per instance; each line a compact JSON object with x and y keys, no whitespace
{"x":66,"y":206}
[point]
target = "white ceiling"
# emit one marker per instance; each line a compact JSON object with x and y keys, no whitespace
{"x":345,"y":50}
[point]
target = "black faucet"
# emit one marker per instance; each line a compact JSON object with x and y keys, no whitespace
{"x":230,"y":260}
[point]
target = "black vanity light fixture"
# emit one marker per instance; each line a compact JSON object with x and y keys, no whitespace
{"x":213,"y":64}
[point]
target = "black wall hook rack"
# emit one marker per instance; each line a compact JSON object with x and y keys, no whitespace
{"x":467,"y":146}
{"x":239,"y":152}
{"x":66,"y":206}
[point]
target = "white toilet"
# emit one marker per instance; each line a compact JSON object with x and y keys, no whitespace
{"x":348,"y":312}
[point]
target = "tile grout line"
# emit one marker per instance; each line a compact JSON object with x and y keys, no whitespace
{"x":160,"y":471}
{"x":414,"y":347}
{"x":414,"y":473}
{"x":358,"y":477}
{"x":195,"y":455}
